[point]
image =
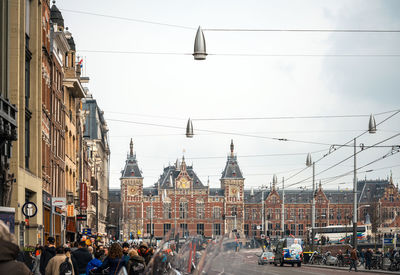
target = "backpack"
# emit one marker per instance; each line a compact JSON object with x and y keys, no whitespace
{"x":66,"y":267}
{"x":137,"y":268}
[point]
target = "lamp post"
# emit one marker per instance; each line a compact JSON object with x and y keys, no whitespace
{"x":371,"y":130}
{"x":309,"y":163}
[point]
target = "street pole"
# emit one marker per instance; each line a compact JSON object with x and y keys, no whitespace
{"x":283,"y":208}
{"x":355,"y":198}
{"x":262,"y":213}
{"x":313,"y":208}
{"x":151,"y":219}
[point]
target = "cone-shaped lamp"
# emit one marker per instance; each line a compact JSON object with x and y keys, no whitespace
{"x":372,"y":125}
{"x":199,"y":52}
{"x":189,"y":129}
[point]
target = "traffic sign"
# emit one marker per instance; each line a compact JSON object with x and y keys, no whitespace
{"x":388,"y":241}
{"x":87,"y":231}
{"x":258,"y":227}
{"x":262,"y":236}
{"x":29,"y":209}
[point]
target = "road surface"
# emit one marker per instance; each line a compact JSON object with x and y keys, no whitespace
{"x":246,"y":263}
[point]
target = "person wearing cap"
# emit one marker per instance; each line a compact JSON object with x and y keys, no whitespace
{"x":145,"y":252}
{"x":48,"y":253}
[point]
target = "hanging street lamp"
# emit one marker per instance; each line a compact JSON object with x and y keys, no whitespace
{"x":199,"y":52}
{"x":189,"y":129}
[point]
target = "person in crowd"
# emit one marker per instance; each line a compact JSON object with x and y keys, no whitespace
{"x":105,"y":254}
{"x":145,"y":252}
{"x":90,"y":249}
{"x":125,"y":250}
{"x":9,"y":252}
{"x":362,"y":256}
{"x":96,"y":262}
{"x":353,"y":259}
{"x":36,"y":263}
{"x":74,"y":246}
{"x":49,"y":252}
{"x":114,"y":260}
{"x":368,"y":258}
{"x":82,"y":257}
{"x":59,"y":263}
{"x":136,"y":263}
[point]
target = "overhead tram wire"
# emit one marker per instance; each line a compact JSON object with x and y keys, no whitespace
{"x":394,"y":112}
{"x":129,"y":19}
{"x":347,"y":158}
{"x":239,"y":54}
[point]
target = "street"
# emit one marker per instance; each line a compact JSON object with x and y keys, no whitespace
{"x":245,"y":262}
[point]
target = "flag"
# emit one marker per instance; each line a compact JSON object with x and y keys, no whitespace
{"x":80,"y":62}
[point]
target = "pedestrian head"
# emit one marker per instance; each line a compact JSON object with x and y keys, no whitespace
{"x":98,"y":254}
{"x":90,"y":249}
{"x":5,"y":234}
{"x":125,"y":247}
{"x":82,"y":244}
{"x":60,"y":250}
{"x":115,"y":251}
{"x":143,"y":247}
{"x":51,"y":240}
{"x":133,"y":252}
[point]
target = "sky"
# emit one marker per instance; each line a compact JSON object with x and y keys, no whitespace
{"x":142,"y":72}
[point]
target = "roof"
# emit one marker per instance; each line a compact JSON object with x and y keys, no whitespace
{"x":56,"y":16}
{"x":216,"y":192}
{"x":252,"y":196}
{"x":232,"y":169}
{"x":371,"y":190}
{"x":170,"y":173}
{"x":131,"y":169}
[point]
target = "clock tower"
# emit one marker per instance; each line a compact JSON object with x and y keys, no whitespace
{"x":232,"y":182}
{"x":131,"y":196}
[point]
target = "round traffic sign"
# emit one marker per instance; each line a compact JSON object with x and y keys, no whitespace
{"x":29,"y":209}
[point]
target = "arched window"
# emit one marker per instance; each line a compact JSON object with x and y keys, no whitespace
{"x":200,"y":209}
{"x":167,"y":210}
{"x":183,"y":209}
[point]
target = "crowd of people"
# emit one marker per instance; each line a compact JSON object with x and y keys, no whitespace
{"x":77,"y":258}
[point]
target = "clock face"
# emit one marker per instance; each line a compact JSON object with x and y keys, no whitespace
{"x":183,"y":183}
{"x":233,"y":191}
{"x":132,"y":190}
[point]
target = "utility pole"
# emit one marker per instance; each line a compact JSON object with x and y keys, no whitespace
{"x":283,"y":208}
{"x":355,"y":198}
{"x":262,"y":213}
{"x":313,"y":208}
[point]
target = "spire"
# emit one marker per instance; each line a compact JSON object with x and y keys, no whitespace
{"x":320,"y":185}
{"x":232,"y":147}
{"x":252,"y":192}
{"x":131,"y":147}
{"x":183,"y":164}
{"x":391,"y":177}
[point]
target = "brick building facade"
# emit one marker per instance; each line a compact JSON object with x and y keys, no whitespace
{"x":180,"y":200}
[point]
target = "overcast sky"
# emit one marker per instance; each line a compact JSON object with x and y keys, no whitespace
{"x":167,"y":89}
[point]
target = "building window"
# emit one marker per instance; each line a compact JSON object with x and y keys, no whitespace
{"x":254,"y":230}
{"x":293,"y":229}
{"x":277,"y":214}
{"x":234,"y":211}
{"x":323,"y":215}
{"x":301,"y":214}
{"x":292,"y":213}
{"x":167,"y":228}
{"x":254,"y":216}
{"x":246,"y":214}
{"x":301,"y":229}
{"x":216,"y":213}
{"x":270,"y":215}
{"x":184,"y":229}
{"x":331,"y":214}
{"x":132,"y":213}
{"x":183,"y":210}
{"x":167,"y":210}
{"x":148,"y":228}
{"x":200,"y":209}
{"x":200,"y":229}
{"x":216,"y":229}
{"x":246,"y":230}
